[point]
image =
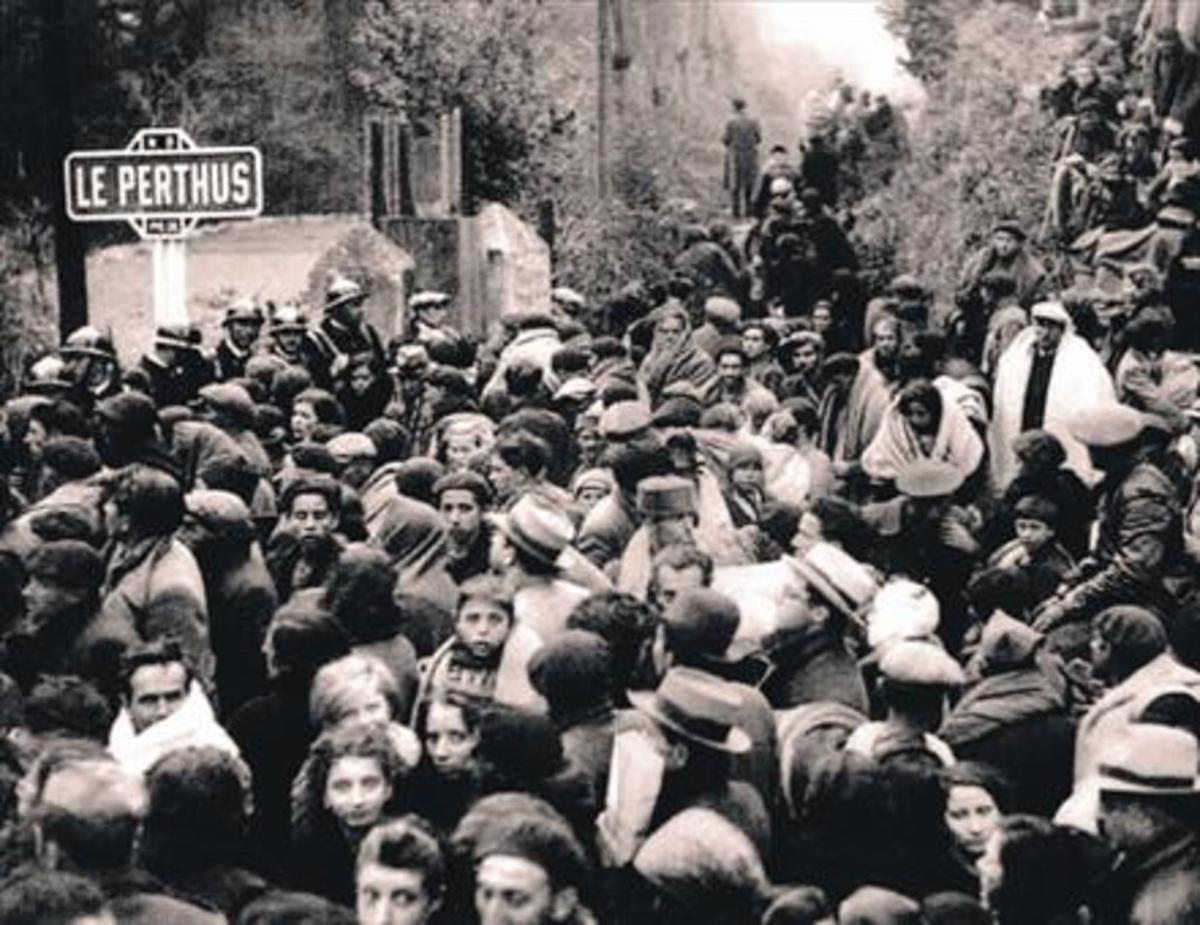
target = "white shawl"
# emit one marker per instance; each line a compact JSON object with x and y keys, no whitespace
{"x":1078,"y":382}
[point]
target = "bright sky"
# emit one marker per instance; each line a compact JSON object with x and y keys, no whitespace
{"x":849,"y":34}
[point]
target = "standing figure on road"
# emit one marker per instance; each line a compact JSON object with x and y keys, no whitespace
{"x":742,"y":136}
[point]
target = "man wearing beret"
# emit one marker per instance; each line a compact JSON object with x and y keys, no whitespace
{"x":1006,"y":252}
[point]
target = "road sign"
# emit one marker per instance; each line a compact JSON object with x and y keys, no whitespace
{"x":162,"y":184}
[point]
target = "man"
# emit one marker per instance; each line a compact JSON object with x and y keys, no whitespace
{"x":1006,"y":253}
{"x":721,"y":317}
{"x":52,"y":898}
{"x":344,"y":331}
{"x":86,"y":821}
{"x":242,"y":324}
{"x":294,"y":344}
{"x":400,"y":876}
{"x":677,"y":568}
{"x":741,"y":140}
{"x":666,"y":509}
{"x":430,"y":318}
{"x":530,"y":870}
{"x":803,"y":355}
{"x":819,"y":169}
{"x":174,"y":369}
{"x":90,"y":365}
{"x":609,"y":526}
{"x":463,"y":498}
{"x":162,"y":709}
{"x":697,"y":630}
{"x":1139,"y":536}
{"x":1047,"y":374}
{"x":760,"y":341}
{"x":1148,"y":800}
{"x":410,"y":366}
{"x":693,"y":727}
{"x":217,"y":528}
{"x":1129,"y":654}
{"x":734,"y":385}
{"x":534,"y":346}
{"x":61,"y":596}
{"x":526,"y":545}
{"x":777,"y":166}
{"x":306,"y":544}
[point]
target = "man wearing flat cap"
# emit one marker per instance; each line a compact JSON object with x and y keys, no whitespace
{"x":1005,"y":252}
{"x":1136,"y":556}
{"x":1047,"y":374}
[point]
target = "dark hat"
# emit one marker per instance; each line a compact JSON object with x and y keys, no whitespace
{"x":464,"y":480}
{"x":536,"y":528}
{"x":701,"y":621}
{"x":1132,"y":629}
{"x":131,"y":410}
{"x":678,"y":411}
{"x":729,"y":345}
{"x":68,"y":563}
{"x":840,"y":364}
{"x":698,"y":706}
{"x":665,"y":495}
{"x":1009,"y":226}
{"x":929,"y":478}
{"x":231,"y":399}
{"x":72,"y":457}
{"x":179,"y":336}
{"x":221,"y":513}
{"x":1037,"y":507}
{"x":571,"y":669}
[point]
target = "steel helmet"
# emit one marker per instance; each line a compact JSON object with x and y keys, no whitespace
{"x":288,"y":317}
{"x":341,"y":291}
{"x":89,"y":341}
{"x":245,"y":308}
{"x":47,"y":376}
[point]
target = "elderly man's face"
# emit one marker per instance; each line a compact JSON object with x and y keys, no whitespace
{"x":155,"y":692}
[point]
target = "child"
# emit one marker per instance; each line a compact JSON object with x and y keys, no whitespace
{"x":1036,"y":550}
{"x":486,"y":658}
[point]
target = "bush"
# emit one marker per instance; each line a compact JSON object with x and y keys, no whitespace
{"x":981,"y":150}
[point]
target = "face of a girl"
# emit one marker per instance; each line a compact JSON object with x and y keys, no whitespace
{"x":450,"y":745}
{"x":971,"y":817}
{"x":304,"y":419}
{"x":356,"y":791}
{"x":748,"y":477}
{"x":919,"y":417}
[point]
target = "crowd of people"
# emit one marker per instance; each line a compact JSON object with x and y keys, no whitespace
{"x":703,"y":603}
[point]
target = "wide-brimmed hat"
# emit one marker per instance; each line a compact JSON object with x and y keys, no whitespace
{"x":837,"y":576}
{"x":1111,"y":425}
{"x":1150,"y":759}
{"x":536,"y":529}
{"x":698,"y":706}
{"x":342,"y":291}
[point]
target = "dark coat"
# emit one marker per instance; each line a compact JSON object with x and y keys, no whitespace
{"x":136,"y":898}
{"x":606,"y":530}
{"x":1162,"y":889}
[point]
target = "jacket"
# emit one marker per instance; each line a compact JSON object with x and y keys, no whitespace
{"x":1140,"y":536}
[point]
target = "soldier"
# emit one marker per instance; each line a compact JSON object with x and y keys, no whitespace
{"x":242,"y":323}
{"x":292,"y":342}
{"x":174,"y":369}
{"x":91,"y":366}
{"x":344,"y":331}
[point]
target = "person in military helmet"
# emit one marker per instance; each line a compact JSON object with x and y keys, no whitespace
{"x":292,"y":342}
{"x":344,"y":331}
{"x":242,"y":324}
{"x":90,"y":366}
{"x":174,"y":370}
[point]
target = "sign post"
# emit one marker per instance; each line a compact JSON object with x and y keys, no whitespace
{"x":162,"y":184}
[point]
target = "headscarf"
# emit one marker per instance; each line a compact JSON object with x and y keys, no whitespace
{"x":682,"y":360}
{"x":896,"y":444}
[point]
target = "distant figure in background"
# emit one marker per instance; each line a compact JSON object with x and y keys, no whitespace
{"x":741,"y":140}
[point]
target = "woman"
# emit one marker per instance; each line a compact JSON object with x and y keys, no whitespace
{"x":350,"y":785}
{"x":413,"y":536}
{"x":311,"y":408}
{"x":675,"y":357}
{"x":976,"y":798}
{"x":447,"y":781}
{"x":591,"y":486}
{"x":363,"y":390}
{"x":921,"y":424}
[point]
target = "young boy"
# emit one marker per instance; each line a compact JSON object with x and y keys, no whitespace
{"x":487,"y":657}
{"x":1036,"y":550}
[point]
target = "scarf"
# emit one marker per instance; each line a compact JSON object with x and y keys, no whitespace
{"x":896,"y":445}
{"x":682,"y":360}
